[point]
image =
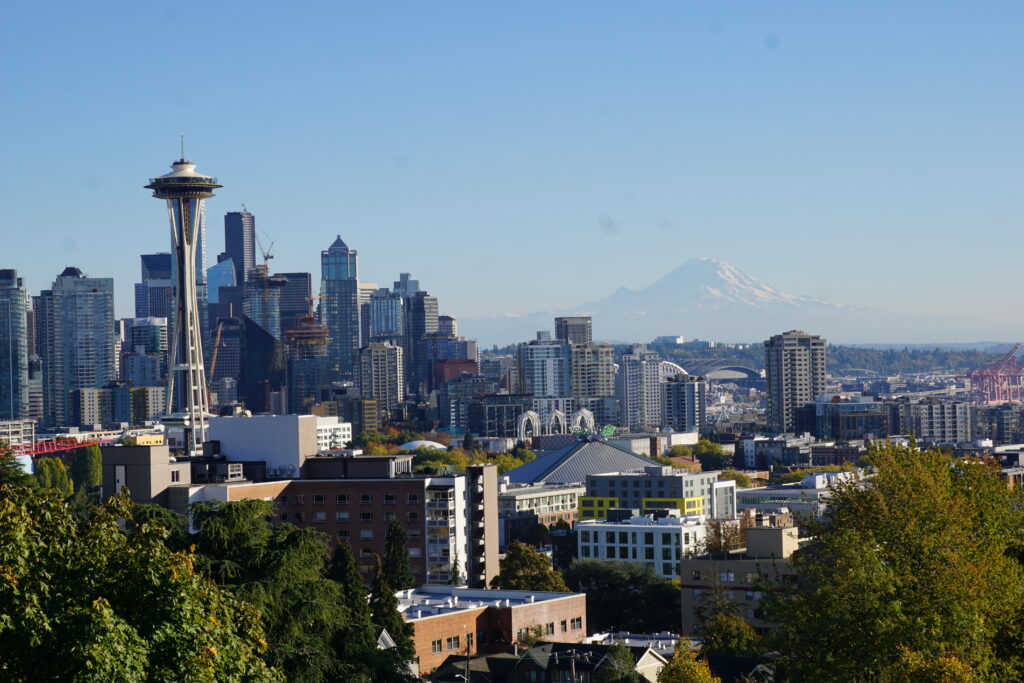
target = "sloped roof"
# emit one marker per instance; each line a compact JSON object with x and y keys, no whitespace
{"x":338,"y":244}
{"x":574,"y":462}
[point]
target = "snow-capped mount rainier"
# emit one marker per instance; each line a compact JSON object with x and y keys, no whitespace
{"x":709,"y":299}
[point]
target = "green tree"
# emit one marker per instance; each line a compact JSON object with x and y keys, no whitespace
{"x":469,"y":443}
{"x":618,"y":666}
{"x":684,"y":667}
{"x":913,"y":573}
{"x":525,"y":569}
{"x":385,"y":615}
{"x":456,"y":579}
{"x":282,"y":571}
{"x":396,"y":558}
{"x":623,"y":596}
{"x":680,"y":451}
{"x":727,"y":634}
{"x":83,"y":601}
{"x":51,"y":473}
{"x":741,"y":479}
{"x":11,"y":471}
{"x":174,"y":524}
{"x":711,"y":455}
{"x":87,"y":470}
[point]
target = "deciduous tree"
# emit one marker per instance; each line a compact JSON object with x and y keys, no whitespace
{"x":685,"y":667}
{"x":525,"y":569}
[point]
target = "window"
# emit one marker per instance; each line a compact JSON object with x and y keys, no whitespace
{"x":725,"y":576}
{"x":365,"y":498}
{"x":609,"y":552}
{"x":413,"y":534}
{"x":343,"y":534}
{"x":666,"y":569}
{"x":319,"y":516}
{"x":609,"y":537}
{"x":365,"y":516}
{"x":298,"y":517}
{"x":283,"y":499}
{"x":341,"y":516}
{"x":469,"y":641}
{"x":415,"y":552}
{"x":318,"y":499}
{"x":390,"y":516}
{"x":623,"y":552}
{"x":695,"y":575}
{"x":666,"y":553}
{"x":341,"y":499}
{"x":366,"y":534}
{"x":549,"y":629}
{"x":666,"y":539}
{"x":390,"y":499}
{"x":564,"y":626}
{"x":413,"y":499}
{"x":585,"y":536}
{"x":366,"y":552}
{"x":585,"y":550}
{"x":623,"y":537}
{"x":752,"y":577}
{"x":435,"y":646}
{"x":649,"y":537}
{"x":412,"y":516}
{"x":299,"y":499}
{"x":175,"y":476}
{"x":577,"y":623}
{"x":284,"y":516}
{"x":453,"y":643}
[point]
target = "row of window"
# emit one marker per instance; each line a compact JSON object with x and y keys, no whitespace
{"x":548,"y":629}
{"x":725,"y":576}
{"x":367,"y":534}
{"x":451,"y":643}
{"x":364,"y":517}
{"x":631,"y":537}
{"x":628,"y":553}
{"x":343,"y":499}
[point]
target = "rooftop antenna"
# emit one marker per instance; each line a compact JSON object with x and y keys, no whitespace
{"x":244,"y":209}
{"x":182,"y":146}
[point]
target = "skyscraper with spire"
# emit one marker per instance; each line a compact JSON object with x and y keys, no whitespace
{"x":339,"y":307}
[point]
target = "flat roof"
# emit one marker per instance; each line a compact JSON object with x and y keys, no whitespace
{"x":431,"y":601}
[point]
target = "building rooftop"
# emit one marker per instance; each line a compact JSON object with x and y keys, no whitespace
{"x":573,"y":463}
{"x":431,"y":601}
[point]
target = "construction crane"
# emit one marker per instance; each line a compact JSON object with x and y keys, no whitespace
{"x":263,"y":271}
{"x":213,"y":361}
{"x":1000,"y":381}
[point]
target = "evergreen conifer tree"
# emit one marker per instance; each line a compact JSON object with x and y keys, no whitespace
{"x":396,"y":558}
{"x":385,"y":615}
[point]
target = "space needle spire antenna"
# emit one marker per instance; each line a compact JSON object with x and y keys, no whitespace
{"x":188,"y":407}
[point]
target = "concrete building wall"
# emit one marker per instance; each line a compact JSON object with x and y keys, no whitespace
{"x":283,"y":441}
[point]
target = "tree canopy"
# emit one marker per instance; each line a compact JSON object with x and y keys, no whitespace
{"x":624,"y":596}
{"x":80,"y":600}
{"x":684,"y":667}
{"x":915,"y":575}
{"x":396,"y":558}
{"x":525,"y":569}
{"x":618,"y":666}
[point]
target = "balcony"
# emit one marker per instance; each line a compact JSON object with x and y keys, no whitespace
{"x":446,"y":504}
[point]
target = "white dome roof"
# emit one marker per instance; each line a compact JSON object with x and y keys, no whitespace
{"x":431,"y":445}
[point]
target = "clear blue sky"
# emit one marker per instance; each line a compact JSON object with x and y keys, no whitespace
{"x":527,"y":155}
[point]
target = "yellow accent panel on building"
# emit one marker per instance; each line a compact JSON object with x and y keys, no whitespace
{"x":688,"y":506}
{"x":596,"y":507}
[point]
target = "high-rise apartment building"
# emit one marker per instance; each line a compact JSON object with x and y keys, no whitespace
{"x":684,"y":403}
{"x":308,"y":363}
{"x":14,"y":345}
{"x":795,"y":374}
{"x":262,"y":300}
{"x":574,"y":329}
{"x":75,"y":332}
{"x":240,"y":242}
{"x":593,"y":380}
{"x":448,"y":326}
{"x":545,"y":368}
{"x":638,"y":388}
{"x":381,"y":374}
{"x":296,"y":295}
{"x":386,"y":315}
{"x":339,"y":306}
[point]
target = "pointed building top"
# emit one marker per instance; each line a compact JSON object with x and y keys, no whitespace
{"x":338,"y":244}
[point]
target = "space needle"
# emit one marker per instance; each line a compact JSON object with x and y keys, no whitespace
{"x":185,"y":189}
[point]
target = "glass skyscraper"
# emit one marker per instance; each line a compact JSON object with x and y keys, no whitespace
{"x":339,"y":306}
{"x":14,"y":401}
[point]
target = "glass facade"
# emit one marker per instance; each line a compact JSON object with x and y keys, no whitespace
{"x":14,"y":404}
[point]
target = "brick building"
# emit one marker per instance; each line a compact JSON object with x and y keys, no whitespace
{"x":450,"y":620}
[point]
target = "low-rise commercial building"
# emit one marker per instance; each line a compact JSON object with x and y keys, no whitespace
{"x":521,"y":508}
{"x":806,"y":498}
{"x":659,"y":487}
{"x":462,"y":621}
{"x":741,"y":574}
{"x":659,"y":541}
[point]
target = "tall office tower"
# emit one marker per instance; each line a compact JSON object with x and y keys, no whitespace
{"x":240,"y":242}
{"x":75,"y":333}
{"x":14,"y":345}
{"x":638,"y":390}
{"x":381,"y":375}
{"x":262,"y":299}
{"x":308,"y":363}
{"x":185,"y":192}
{"x":228,"y":353}
{"x":387,"y":320}
{"x":684,"y":403}
{"x":593,"y":380}
{"x":220,"y":275}
{"x":339,"y":306}
{"x":153,"y":297}
{"x":545,"y":368}
{"x":575,"y":330}
{"x":794,"y":374}
{"x":405,"y":285}
{"x":438,"y":347}
{"x":296,"y":296}
{"x":420,"y":320}
{"x":366,"y":290}
{"x":448,"y":326}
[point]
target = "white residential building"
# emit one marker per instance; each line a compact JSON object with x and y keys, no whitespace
{"x":332,"y":434}
{"x":660,"y":542}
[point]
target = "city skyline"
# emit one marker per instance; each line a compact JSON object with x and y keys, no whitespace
{"x":736,"y":133}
